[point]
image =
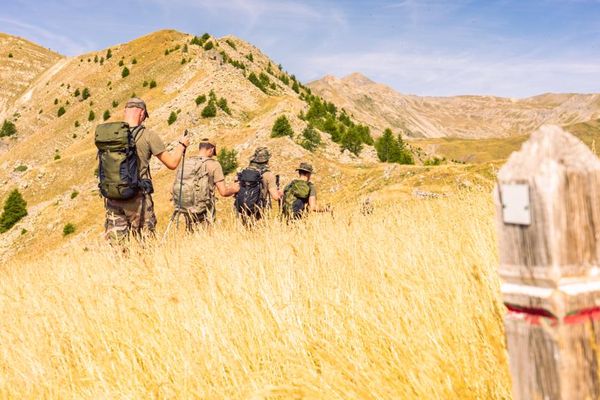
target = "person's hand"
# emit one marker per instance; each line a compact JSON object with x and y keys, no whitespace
{"x":280,"y":192}
{"x":185,"y":140}
{"x":236,"y":186}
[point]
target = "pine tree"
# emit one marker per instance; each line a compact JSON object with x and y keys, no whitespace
{"x":106,"y":115}
{"x":125,"y":72}
{"x":108,"y":54}
{"x":85,"y":94}
{"x":222,"y":103}
{"x":295,"y":87}
{"x":311,"y":138}
{"x":91,"y":115}
{"x":200,"y":99}
{"x":282,"y":127}
{"x":386,"y":146}
{"x":15,"y":208}
{"x":61,"y":111}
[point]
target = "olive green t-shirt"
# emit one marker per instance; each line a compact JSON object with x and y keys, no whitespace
{"x":148,"y":144}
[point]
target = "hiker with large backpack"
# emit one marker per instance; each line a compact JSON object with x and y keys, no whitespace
{"x":258,"y":186}
{"x":193,"y":191}
{"x":300,"y":195}
{"x":124,"y":153}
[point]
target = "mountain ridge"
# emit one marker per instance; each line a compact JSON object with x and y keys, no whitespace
{"x":466,"y":116}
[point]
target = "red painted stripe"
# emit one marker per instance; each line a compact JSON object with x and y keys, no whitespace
{"x":535,"y":316}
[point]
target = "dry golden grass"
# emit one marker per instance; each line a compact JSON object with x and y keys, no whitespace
{"x":401,"y":304}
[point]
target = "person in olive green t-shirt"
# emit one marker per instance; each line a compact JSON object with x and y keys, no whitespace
{"x":216,"y":180}
{"x":136,"y":215}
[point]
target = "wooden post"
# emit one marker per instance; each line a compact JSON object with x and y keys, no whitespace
{"x":548,"y":218}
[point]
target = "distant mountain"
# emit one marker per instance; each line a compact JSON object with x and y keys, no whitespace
{"x":380,"y":107}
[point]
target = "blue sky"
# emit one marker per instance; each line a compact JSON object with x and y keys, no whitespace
{"x":512,"y":48}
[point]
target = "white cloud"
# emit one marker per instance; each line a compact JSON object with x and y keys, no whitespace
{"x":40,"y":35}
{"x":445,"y":74}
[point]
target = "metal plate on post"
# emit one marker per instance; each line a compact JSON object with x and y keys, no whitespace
{"x":515,"y":204}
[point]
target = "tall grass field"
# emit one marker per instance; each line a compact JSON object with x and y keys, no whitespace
{"x":400,"y":304}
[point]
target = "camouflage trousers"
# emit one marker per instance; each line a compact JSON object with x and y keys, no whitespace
{"x":134,"y":216}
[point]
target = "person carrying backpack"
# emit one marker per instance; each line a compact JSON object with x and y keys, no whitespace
{"x":258,"y":186}
{"x":300,"y":195}
{"x":194,"y":187}
{"x":124,"y":153}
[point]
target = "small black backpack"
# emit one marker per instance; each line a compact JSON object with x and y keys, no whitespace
{"x":248,"y":200}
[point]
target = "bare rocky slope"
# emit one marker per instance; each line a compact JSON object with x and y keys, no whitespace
{"x":380,"y":106}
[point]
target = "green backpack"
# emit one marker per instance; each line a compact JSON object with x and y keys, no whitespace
{"x":118,"y":173}
{"x":295,"y":198}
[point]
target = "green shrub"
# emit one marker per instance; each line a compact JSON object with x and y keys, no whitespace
{"x":68,"y":229}
{"x":91,"y":116}
{"x":125,"y":72}
{"x":134,"y":61}
{"x":85,"y":94}
{"x":228,"y":160}
{"x":152,"y":84}
{"x":101,"y":60}
{"x":96,"y":58}
{"x":8,"y":129}
{"x":284,"y":78}
{"x":106,"y":115}
{"x":61,"y":111}
{"x":108,"y":54}
{"x":254,"y":79}
{"x":23,"y":231}
{"x":74,"y":194}
{"x":115,"y":104}
{"x":56,"y":157}
{"x":311,"y":138}
{"x":172,"y":118}
{"x":76,"y":93}
{"x":197,"y":41}
{"x":167,"y":52}
{"x":282,"y":127}
{"x":185,"y":48}
{"x":208,"y":46}
{"x":55,"y":102}
{"x":145,"y":84}
{"x":295,"y":87}
{"x":200,"y":99}
{"x":15,"y":208}
{"x":237,"y":64}
{"x":21,"y":168}
{"x":76,"y":124}
{"x":121,"y":63}
{"x":250,"y":57}
{"x":222,"y":103}
{"x":205,"y":37}
{"x":231,"y":44}
{"x":434,"y":161}
{"x":210,"y":110}
{"x":10,"y":55}
{"x":183,"y":61}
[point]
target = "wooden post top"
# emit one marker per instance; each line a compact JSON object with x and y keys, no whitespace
{"x":548,"y":210}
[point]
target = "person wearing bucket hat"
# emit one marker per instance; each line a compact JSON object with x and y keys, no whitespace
{"x":136,"y":214}
{"x":258,"y":186}
{"x":300,"y":195}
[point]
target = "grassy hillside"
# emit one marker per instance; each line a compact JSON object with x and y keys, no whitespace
{"x":388,"y":305}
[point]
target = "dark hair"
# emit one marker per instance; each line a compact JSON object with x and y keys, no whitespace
{"x":303,"y":173}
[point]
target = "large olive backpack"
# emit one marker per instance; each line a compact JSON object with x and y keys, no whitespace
{"x":118,"y":172}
